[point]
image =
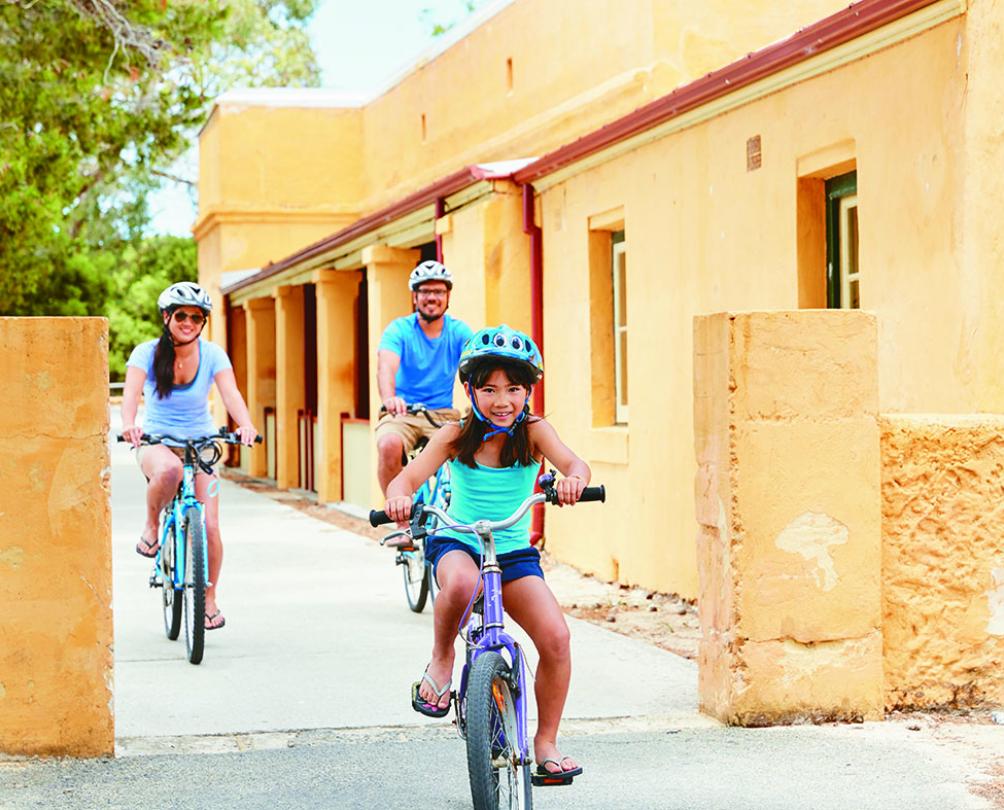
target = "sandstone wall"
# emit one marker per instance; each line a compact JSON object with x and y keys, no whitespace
{"x":787,"y":498}
{"x":55,"y":538}
{"x":943,"y":560}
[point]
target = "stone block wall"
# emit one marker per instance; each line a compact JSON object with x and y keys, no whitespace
{"x":55,"y":538}
{"x":943,"y":560}
{"x":788,"y":506}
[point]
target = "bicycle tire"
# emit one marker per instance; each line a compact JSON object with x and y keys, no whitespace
{"x":416,"y":579}
{"x":171,"y":600}
{"x":499,"y":781}
{"x":195,"y":585}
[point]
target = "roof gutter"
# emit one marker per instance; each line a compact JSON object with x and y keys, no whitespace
{"x":430,"y":195}
{"x":855,"y":21}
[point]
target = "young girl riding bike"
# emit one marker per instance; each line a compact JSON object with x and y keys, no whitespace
{"x":494,"y":455}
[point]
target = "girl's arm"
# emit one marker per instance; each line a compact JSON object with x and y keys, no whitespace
{"x":402,"y":488}
{"x":576,"y":471}
{"x":226,"y":384}
{"x":135,"y":377}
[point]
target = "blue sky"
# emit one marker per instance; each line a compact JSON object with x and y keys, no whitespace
{"x":360,"y":46}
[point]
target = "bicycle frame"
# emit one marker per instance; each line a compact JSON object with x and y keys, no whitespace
{"x":174,"y":516}
{"x":491,"y":636}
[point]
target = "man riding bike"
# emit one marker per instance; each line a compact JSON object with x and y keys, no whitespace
{"x":416,"y":362}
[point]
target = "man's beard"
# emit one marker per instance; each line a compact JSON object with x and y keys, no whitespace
{"x":430,"y":318}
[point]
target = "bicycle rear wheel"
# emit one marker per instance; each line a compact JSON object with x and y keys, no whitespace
{"x":499,"y":779}
{"x":195,"y":585}
{"x":171,"y":600}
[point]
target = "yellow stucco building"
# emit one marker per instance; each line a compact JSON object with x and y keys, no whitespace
{"x":600,"y":174}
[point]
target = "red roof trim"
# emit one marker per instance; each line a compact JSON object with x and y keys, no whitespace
{"x":858,"y":19}
{"x":441,"y":188}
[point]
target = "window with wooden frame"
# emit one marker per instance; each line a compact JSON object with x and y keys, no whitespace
{"x":618,"y":266}
{"x":608,"y":319}
{"x":843,"y":274}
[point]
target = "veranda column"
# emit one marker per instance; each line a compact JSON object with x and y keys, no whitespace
{"x":290,"y":383}
{"x":259,"y":314}
{"x":788,"y":504}
{"x":336,"y":299}
{"x":388,"y":297}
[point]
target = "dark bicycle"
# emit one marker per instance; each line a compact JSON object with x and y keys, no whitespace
{"x":419,"y":583}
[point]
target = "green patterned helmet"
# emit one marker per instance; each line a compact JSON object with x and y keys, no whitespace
{"x":500,"y":342}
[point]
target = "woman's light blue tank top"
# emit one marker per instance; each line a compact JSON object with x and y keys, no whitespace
{"x":491,"y":493}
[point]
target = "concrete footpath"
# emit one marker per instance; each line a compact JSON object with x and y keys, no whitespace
{"x":303,"y":701}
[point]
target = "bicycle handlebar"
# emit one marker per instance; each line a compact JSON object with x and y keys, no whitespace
{"x":598,"y":493}
{"x":414,"y":409}
{"x":225,"y":436}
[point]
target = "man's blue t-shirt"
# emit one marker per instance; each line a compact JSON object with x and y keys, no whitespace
{"x":185,"y":411}
{"x":428,"y":366}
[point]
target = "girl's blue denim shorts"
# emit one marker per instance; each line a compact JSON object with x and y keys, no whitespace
{"x":523,"y":562}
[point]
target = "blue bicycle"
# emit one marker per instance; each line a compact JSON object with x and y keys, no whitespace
{"x":419,"y":583}
{"x":181,"y":567}
{"x":491,"y":703}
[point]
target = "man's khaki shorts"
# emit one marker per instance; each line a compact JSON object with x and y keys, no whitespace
{"x":412,"y":427}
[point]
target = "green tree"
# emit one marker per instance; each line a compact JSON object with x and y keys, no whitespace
{"x":97,"y":98}
{"x":140,"y":273}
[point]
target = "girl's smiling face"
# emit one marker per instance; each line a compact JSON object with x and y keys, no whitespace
{"x":500,"y":399}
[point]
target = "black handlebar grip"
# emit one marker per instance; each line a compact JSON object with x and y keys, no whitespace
{"x":594,"y":494}
{"x":259,"y":439}
{"x":378,"y":518}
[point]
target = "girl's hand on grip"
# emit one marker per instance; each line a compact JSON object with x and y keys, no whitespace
{"x":569,"y":490}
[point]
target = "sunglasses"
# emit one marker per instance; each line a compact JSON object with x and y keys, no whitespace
{"x":197,"y":318}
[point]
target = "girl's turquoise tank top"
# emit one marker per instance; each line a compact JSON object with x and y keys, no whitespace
{"x":490,"y":493}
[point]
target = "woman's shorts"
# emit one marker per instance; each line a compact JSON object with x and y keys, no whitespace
{"x":523,"y":562}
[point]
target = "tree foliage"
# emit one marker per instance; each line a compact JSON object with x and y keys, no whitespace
{"x":137,"y":278}
{"x":97,"y":98}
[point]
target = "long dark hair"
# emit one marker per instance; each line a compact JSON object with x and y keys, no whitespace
{"x":472,"y":430}
{"x":163,"y":361}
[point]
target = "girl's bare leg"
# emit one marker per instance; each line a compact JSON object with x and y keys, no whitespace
{"x":532,"y":605}
{"x":457,"y":575}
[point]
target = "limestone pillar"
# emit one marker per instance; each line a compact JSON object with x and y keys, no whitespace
{"x":290,"y":383}
{"x":388,"y":297}
{"x":789,"y":513}
{"x":336,"y":299}
{"x":259,"y":314}
{"x":56,"y":663}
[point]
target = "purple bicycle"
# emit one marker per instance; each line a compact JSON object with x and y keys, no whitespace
{"x":491,"y":703}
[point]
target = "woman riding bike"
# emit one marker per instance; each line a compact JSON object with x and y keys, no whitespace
{"x":174,"y":374}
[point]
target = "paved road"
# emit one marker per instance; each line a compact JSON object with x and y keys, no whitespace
{"x":302,"y":701}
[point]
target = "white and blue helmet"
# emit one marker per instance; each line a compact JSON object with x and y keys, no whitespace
{"x":184,"y":294}
{"x":430,"y":271}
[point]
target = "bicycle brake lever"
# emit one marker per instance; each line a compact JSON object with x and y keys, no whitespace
{"x":392,"y":535}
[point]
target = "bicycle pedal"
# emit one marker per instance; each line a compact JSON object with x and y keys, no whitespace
{"x":155,"y":581}
{"x":540,"y":780}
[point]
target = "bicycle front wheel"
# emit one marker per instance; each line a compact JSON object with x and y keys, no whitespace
{"x":195,"y":584}
{"x":416,"y":583}
{"x":499,"y":777}
{"x":171,"y":599}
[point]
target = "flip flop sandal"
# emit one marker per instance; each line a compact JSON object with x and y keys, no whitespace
{"x":209,"y":621}
{"x":147,"y":549}
{"x":421,"y":705}
{"x":545,"y":778}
